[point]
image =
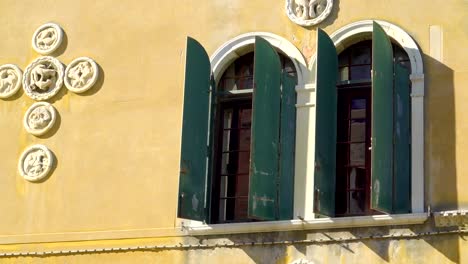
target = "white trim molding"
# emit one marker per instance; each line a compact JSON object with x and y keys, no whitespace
{"x":198,"y":228}
{"x":242,"y":44}
{"x":351,"y":34}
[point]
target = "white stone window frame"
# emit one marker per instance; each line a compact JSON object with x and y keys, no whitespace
{"x":304,"y":217}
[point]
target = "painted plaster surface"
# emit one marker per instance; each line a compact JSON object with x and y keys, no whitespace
{"x":119,"y":149}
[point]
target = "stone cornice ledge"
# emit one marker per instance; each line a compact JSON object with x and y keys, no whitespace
{"x":197,"y":228}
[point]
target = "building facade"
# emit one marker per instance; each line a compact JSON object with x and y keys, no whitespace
{"x":233,"y":132}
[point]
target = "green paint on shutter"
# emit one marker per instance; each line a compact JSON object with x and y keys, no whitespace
{"x":382,"y":121}
{"x":287,"y":145}
{"x":325,"y":129}
{"x":265,"y":133}
{"x":195,"y":127}
{"x":402,"y":199}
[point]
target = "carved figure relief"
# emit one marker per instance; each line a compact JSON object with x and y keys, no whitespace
{"x":308,"y":12}
{"x":43,"y":78}
{"x":81,"y":74}
{"x":39,"y":118}
{"x":47,"y":38}
{"x":10,"y":80}
{"x":35,"y":163}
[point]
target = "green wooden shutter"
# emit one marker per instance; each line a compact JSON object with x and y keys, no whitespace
{"x":325,"y":128}
{"x":382,"y":121}
{"x":265,"y":133}
{"x":287,"y":146}
{"x":196,"y":121}
{"x":401,"y":154}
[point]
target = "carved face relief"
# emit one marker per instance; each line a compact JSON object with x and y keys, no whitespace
{"x":10,"y":80}
{"x":81,"y":74}
{"x":308,"y":12}
{"x":43,"y":78}
{"x":39,"y":118}
{"x":47,"y":38}
{"x":35,"y":163}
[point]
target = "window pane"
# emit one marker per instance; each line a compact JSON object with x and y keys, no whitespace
{"x":344,"y":73}
{"x":360,"y":72}
{"x":343,"y":59}
{"x":357,"y":202}
{"x":361,"y":55}
{"x":358,"y":108}
{"x":357,"y":154}
{"x":357,"y":178}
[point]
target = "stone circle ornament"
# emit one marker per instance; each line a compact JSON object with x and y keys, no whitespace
{"x":47,"y":38}
{"x":35,"y":163}
{"x":43,"y":78}
{"x":308,"y":12}
{"x":81,"y":74}
{"x":10,"y":80}
{"x":39,"y":118}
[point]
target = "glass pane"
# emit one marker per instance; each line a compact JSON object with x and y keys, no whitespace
{"x":357,"y":202}
{"x":245,"y":117}
{"x":222,"y":202}
{"x":360,"y":72}
{"x":358,"y":130}
{"x":344,"y":74}
{"x":358,"y":108}
{"x":228,"y":81}
{"x":361,"y":55}
{"x":343,"y":58}
{"x":357,"y":178}
{"x":357,"y":154}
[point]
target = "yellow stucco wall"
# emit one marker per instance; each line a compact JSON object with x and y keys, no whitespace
{"x":118,"y":145}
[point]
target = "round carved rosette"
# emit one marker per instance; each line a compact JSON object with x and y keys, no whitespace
{"x":35,"y":163}
{"x":81,"y":74}
{"x":39,"y":118}
{"x":47,"y":38}
{"x":308,"y":12}
{"x":43,"y":78}
{"x":10,"y":80}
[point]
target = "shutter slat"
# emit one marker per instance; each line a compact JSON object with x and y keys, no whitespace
{"x":287,"y":141}
{"x":325,"y":128}
{"x":264,"y":164}
{"x":195,"y":127}
{"x":382,"y":121}
{"x":402,"y":199}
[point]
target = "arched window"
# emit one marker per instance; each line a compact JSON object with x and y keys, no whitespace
{"x":238,"y":137}
{"x":230,"y":189}
{"x":366,"y":115}
{"x":354,"y":129}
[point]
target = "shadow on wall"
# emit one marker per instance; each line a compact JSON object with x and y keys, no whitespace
{"x":440,"y":157}
{"x":440,"y":154}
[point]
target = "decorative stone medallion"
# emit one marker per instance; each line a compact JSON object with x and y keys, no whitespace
{"x":10,"y":80}
{"x":47,"y":38}
{"x":39,"y":118}
{"x":81,"y":74}
{"x":308,"y":12}
{"x":35,"y":163}
{"x":43,"y":78}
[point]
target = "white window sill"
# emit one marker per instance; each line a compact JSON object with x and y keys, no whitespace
{"x":198,"y":228}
